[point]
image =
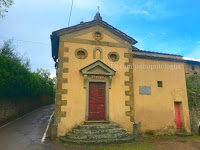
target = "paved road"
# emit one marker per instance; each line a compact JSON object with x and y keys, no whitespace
{"x":26,"y":133}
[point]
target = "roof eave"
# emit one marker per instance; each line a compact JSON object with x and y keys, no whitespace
{"x":54,"y":46}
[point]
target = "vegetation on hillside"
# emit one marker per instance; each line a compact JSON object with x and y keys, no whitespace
{"x":193,"y":90}
{"x":17,"y":80}
{"x":21,"y":90}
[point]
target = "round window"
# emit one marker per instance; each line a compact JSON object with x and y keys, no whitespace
{"x":81,"y":53}
{"x":113,"y":56}
{"x":98,"y":35}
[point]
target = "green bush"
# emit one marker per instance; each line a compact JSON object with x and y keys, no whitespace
{"x":193,"y":90}
{"x":193,"y":82}
{"x":16,"y":81}
{"x":21,"y":91}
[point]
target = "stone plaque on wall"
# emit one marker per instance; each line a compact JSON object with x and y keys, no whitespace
{"x":145,"y":90}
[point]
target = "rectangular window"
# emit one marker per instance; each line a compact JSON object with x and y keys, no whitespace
{"x":193,"y":67}
{"x":160,"y":84}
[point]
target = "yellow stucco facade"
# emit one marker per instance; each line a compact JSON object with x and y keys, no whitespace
{"x":76,"y":96}
{"x":132,"y":92}
{"x":156,"y":111}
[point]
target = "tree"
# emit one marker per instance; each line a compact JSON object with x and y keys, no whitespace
{"x":27,"y":63}
{"x":44,"y":73}
{"x":54,"y":80}
{"x":16,"y":80}
{"x":4,"y":4}
{"x":9,"y":50}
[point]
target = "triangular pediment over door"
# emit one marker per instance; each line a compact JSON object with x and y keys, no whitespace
{"x":98,"y":68}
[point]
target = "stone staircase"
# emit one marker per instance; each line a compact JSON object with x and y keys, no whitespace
{"x":94,"y":134}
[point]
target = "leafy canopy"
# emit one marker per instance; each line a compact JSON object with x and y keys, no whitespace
{"x":4,"y":5}
{"x":9,"y":50}
{"x":16,"y":79}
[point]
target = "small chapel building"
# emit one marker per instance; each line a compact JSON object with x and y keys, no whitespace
{"x":103,"y":78}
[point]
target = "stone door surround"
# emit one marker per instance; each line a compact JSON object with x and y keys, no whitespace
{"x":98,"y":72}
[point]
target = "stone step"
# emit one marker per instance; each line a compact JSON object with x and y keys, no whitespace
{"x":98,"y":126}
{"x":96,"y":122}
{"x":97,"y":136}
{"x":99,"y":131}
{"x":99,"y":141}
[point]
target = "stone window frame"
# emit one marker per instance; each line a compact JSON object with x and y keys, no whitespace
{"x":101,"y":37}
{"x":81,"y":49}
{"x":115,"y":54}
{"x":94,"y":52}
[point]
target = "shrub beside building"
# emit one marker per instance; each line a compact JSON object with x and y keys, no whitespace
{"x":21,"y":91}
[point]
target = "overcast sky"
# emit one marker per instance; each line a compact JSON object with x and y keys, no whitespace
{"x":166,"y":26}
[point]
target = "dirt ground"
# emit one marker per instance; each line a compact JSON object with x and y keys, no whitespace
{"x":177,"y":144}
{"x":147,"y":143}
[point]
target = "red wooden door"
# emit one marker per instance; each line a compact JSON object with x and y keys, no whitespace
{"x":96,"y":101}
{"x":177,"y":116}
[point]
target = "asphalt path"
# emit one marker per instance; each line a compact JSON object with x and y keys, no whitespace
{"x":29,"y":132}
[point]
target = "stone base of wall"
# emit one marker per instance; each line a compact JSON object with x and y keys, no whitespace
{"x":53,"y":129}
{"x":11,"y":108}
{"x":170,"y":130}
